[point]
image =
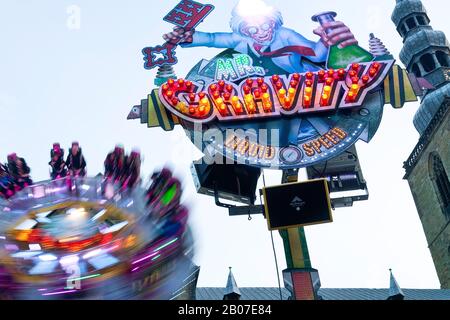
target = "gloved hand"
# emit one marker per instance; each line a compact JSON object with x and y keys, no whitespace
{"x":340,"y":34}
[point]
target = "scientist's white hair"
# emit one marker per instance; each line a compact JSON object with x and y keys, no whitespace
{"x":246,"y":9}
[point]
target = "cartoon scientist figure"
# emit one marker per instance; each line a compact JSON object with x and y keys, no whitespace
{"x":258,"y":31}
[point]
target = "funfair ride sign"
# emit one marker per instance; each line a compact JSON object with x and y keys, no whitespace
{"x":316,"y":96}
{"x":273,"y":98}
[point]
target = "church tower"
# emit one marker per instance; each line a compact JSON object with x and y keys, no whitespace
{"x":426,"y":53}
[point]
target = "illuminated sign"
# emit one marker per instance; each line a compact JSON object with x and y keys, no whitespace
{"x":237,"y":68}
{"x":274,"y":96}
{"x":314,"y":115}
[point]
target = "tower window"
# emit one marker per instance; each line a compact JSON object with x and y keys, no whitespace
{"x":427,"y":62}
{"x":443,"y":58}
{"x":441,"y":183}
{"x":421,"y":20}
{"x":403,"y":30}
{"x":416,"y":70}
{"x":411,"y":23}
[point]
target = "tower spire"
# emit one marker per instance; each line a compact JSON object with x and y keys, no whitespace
{"x":395,"y":292}
{"x":426,"y":54}
{"x":232,"y":291}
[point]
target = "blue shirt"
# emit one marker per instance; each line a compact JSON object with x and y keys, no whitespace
{"x":283,"y":37}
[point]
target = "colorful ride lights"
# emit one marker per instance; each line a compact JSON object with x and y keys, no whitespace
{"x":237,"y":105}
{"x":359,"y":80}
{"x":267,"y":102}
{"x":326,"y":94}
{"x":198,"y":103}
{"x":276,"y":94}
{"x":286,"y":94}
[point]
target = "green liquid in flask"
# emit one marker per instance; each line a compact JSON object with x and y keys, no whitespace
{"x":342,"y":57}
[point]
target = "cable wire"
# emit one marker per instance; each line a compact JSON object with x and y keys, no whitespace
{"x":273,"y":244}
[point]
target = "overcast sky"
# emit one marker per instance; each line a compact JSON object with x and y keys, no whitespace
{"x":64,"y":81}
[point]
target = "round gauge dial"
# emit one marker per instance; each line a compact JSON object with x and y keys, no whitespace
{"x":290,"y":155}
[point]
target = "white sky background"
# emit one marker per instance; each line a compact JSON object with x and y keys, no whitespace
{"x":63,"y":82}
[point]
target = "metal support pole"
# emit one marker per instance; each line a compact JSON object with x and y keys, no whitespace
{"x":295,"y":248}
{"x":299,"y":277}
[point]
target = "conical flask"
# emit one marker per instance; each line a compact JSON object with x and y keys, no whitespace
{"x":337,"y":57}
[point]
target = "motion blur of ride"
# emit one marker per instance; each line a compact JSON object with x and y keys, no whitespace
{"x":103,"y":237}
{"x":14,"y":176}
{"x":123,"y":169}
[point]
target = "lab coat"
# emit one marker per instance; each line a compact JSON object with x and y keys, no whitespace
{"x":283,"y":37}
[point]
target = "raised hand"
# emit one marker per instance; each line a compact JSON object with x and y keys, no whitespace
{"x":179,"y":35}
{"x":338,"y":33}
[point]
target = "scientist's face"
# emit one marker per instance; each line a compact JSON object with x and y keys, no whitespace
{"x":261,"y":30}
